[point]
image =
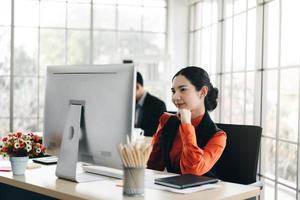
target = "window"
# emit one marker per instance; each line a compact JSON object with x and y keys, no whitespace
{"x":257,"y":72}
{"x":35,"y":34}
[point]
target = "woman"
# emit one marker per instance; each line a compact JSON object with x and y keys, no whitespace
{"x":189,"y":142}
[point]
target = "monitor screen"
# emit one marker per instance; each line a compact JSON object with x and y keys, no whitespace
{"x":107,"y":96}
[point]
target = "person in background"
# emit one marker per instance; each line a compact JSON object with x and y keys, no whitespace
{"x":189,"y":142}
{"x":148,"y":108}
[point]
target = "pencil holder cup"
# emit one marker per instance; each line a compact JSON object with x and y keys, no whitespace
{"x":133,"y":181}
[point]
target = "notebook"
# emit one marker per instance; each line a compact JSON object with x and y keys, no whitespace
{"x":185,"y":181}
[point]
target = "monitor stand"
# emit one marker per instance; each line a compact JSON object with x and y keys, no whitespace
{"x":68,"y":156}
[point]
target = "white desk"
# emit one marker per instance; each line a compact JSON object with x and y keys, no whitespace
{"x":44,"y":181}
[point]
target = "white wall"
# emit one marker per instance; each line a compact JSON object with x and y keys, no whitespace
{"x":177,"y":39}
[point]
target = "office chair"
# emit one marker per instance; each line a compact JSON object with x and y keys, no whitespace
{"x":239,"y":160}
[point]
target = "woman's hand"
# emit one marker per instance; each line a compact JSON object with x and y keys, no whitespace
{"x":184,"y":115}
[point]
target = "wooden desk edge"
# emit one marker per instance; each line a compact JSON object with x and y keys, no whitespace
{"x":67,"y":195}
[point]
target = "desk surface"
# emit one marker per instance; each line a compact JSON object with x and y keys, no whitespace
{"x":43,"y":181}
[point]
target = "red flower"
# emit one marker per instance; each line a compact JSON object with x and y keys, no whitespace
{"x":36,"y":138}
{"x":18,"y":134}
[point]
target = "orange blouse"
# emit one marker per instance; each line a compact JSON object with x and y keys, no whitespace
{"x":185,"y":151}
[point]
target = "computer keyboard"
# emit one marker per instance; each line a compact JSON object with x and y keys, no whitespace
{"x":105,"y":171}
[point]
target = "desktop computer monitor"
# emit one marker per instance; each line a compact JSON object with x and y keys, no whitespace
{"x":105,"y":95}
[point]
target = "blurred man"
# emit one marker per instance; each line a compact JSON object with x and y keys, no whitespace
{"x":148,"y":108}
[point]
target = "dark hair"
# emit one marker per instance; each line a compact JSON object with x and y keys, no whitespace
{"x":139,"y":78}
{"x":199,"y":78}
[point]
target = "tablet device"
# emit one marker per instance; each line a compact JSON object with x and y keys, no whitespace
{"x":185,"y":181}
{"x":46,"y":160}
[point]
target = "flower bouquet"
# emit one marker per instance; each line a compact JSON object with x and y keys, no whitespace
{"x":19,"y":146}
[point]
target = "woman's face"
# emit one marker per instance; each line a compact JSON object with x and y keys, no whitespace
{"x":185,"y":95}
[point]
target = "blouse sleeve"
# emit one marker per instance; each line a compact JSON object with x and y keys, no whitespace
{"x":195,"y":160}
{"x":155,"y":160}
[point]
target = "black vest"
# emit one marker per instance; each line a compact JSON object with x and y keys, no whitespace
{"x":204,"y":131}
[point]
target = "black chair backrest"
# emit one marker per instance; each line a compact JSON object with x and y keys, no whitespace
{"x":239,"y":160}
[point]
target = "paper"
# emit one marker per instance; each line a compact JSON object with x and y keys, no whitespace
{"x":33,"y":166}
{"x":5,"y":165}
{"x":5,"y":169}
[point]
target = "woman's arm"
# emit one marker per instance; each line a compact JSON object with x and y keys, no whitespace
{"x":195,"y":160}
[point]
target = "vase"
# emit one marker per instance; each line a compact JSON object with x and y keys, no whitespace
{"x":18,"y":164}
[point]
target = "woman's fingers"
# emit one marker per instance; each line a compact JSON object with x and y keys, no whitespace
{"x":184,"y":115}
